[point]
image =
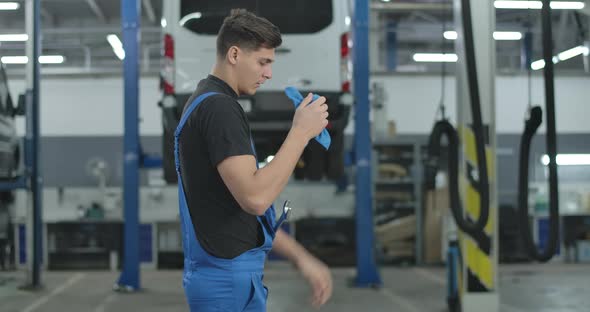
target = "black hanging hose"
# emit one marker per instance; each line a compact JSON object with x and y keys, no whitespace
{"x":476,"y":115}
{"x":444,"y":128}
{"x":530,"y":128}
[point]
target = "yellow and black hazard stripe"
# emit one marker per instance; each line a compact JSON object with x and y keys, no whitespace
{"x":476,"y":251}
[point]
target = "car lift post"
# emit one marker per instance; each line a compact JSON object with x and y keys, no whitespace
{"x":367,"y":274}
{"x":130,"y":17}
{"x":31,"y":179}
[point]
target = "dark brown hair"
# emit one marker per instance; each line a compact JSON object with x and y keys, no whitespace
{"x":247,"y":31}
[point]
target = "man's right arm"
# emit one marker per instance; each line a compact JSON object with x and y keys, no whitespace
{"x":256,"y":189}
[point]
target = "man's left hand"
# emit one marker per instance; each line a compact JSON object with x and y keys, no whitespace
{"x":319,"y":277}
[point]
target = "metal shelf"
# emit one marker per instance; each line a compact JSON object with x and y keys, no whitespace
{"x":400,"y":181}
{"x":408,"y":154}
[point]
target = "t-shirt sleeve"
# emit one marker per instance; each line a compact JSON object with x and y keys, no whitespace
{"x":225,"y":129}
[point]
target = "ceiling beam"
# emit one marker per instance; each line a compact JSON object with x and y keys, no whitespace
{"x":410,"y":6}
{"x":49,"y":17}
{"x":427,"y":17}
{"x":107,"y":29}
{"x":149,"y":10}
{"x":81,"y":71}
{"x":97,"y":10}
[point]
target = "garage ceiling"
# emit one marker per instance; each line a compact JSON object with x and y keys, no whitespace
{"x":77,"y":29}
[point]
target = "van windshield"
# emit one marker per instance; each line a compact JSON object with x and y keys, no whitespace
{"x":292,"y":17}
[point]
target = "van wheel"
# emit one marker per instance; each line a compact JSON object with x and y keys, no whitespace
{"x":335,"y":157}
{"x":299,"y":172}
{"x":16,"y":161}
{"x":315,"y":159}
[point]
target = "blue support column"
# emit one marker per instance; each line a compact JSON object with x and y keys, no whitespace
{"x":391,"y":42}
{"x":367,"y":274}
{"x":130,"y":13}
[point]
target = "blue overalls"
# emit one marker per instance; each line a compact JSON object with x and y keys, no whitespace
{"x":216,"y":284}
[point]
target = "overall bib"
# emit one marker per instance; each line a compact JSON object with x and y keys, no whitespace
{"x":216,"y":284}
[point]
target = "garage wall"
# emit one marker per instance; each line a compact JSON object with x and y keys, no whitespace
{"x":89,"y":107}
{"x":412,"y":101}
{"x":83,"y":119}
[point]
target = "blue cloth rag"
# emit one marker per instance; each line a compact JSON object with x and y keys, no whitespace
{"x":295,"y":96}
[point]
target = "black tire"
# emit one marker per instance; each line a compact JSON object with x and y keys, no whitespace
{"x":315,"y":160}
{"x":170,"y":120}
{"x":335,"y":154}
{"x":299,"y":172}
{"x":16,"y":163}
{"x":168,"y":162}
{"x":335,"y":157}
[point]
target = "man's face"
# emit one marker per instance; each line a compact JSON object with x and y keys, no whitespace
{"x":254,"y":68}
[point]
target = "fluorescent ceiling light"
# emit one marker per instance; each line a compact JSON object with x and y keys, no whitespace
{"x":9,"y":6}
{"x":498,"y":35}
{"x":507,"y":35}
{"x":117,"y":46}
{"x":565,"y":55}
{"x":556,"y":5}
{"x":450,"y":35}
{"x":435,"y":57}
{"x":14,"y":37}
{"x":518,"y":4}
{"x":536,"y":65}
{"x":51,"y":59}
{"x":14,"y":59}
{"x":569,"y":159}
{"x":567,"y":5}
{"x":189,"y":17}
{"x":43,"y":59}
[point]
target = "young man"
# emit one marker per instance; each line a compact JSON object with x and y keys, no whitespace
{"x":226,"y":222}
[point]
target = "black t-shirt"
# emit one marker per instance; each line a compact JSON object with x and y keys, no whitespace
{"x":217,"y":129}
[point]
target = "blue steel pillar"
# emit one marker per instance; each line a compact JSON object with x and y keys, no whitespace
{"x":367,"y":274}
{"x":130,"y":13}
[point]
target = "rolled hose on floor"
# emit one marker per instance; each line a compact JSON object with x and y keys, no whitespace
{"x":531,"y":126}
{"x":443,"y":127}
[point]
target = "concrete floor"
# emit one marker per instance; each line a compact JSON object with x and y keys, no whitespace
{"x":549,"y":287}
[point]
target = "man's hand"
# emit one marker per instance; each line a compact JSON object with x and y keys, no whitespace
{"x":313,"y":270}
{"x":319,"y":278}
{"x":311,"y":117}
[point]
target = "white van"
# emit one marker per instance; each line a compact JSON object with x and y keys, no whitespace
{"x":315,"y":57}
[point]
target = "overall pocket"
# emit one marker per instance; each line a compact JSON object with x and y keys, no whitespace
{"x":258,"y":296}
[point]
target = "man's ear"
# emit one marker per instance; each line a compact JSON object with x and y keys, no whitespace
{"x":232,"y":55}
